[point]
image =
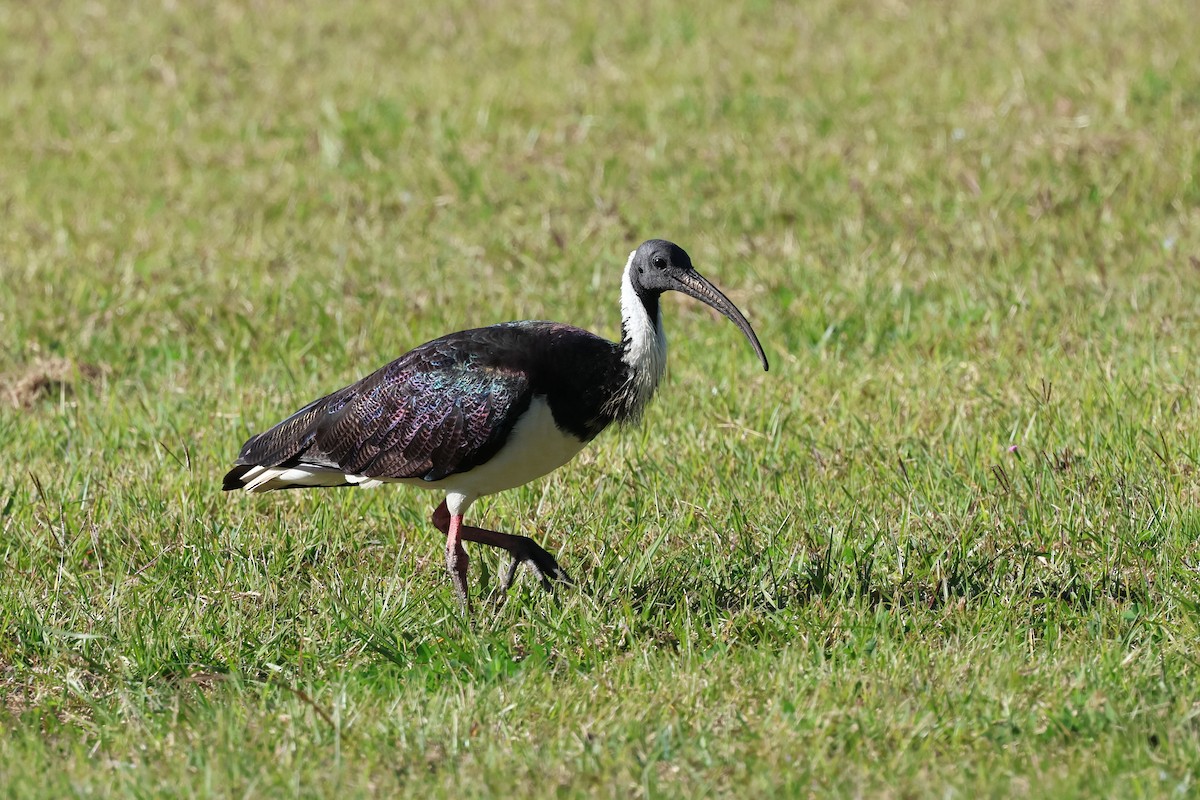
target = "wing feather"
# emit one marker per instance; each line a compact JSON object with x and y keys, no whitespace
{"x":433,"y":412}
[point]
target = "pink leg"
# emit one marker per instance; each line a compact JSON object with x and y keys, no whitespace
{"x":456,"y":560}
{"x":523,"y":549}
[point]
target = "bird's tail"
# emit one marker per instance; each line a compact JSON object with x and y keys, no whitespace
{"x":257,"y":478}
{"x":235,"y":478}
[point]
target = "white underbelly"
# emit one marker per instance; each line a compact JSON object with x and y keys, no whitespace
{"x":535,"y":448}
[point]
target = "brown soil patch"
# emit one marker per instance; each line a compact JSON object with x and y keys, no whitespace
{"x":46,"y":377}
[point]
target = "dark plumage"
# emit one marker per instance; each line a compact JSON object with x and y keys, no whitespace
{"x":448,"y":405}
{"x":484,"y":410}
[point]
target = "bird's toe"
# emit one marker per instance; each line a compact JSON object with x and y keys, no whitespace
{"x":543,"y":565}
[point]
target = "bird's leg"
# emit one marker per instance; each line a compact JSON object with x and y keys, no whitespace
{"x":456,"y":558}
{"x":523,"y":550}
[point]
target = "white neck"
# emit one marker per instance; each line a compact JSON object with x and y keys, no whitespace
{"x":645,"y":347}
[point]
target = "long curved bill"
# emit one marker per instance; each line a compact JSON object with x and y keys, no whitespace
{"x":696,"y":285}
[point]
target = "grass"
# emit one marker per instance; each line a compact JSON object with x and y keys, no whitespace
{"x":946,"y":547}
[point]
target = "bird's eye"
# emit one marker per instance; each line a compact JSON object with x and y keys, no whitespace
{"x":659,"y":262}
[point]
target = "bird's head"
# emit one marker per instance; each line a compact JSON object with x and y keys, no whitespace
{"x":659,"y":266}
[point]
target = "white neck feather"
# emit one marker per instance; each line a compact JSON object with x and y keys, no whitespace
{"x":645,"y":347}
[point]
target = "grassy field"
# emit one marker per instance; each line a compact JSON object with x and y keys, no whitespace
{"x":947,"y":546}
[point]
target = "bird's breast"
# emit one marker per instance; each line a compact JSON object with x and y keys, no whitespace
{"x":535,"y":447}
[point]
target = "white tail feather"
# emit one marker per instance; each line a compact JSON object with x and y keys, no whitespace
{"x":264,"y":479}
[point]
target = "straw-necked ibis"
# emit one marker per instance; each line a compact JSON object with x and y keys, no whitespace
{"x":485,"y":410}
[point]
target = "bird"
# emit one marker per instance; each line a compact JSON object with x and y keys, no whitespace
{"x":488,"y":409}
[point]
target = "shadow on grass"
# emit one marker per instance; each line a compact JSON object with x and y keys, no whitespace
{"x":754,"y":584}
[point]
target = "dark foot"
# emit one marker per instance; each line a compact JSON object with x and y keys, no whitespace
{"x":523,"y":550}
{"x":543,"y":565}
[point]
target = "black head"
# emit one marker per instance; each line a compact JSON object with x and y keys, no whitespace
{"x":659,"y":266}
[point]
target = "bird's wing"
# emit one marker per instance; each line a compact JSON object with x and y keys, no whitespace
{"x":442,"y":408}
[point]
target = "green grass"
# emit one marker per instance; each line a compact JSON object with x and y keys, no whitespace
{"x":958,"y":229}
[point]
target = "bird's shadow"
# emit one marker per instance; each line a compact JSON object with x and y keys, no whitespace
{"x":755,"y":584}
